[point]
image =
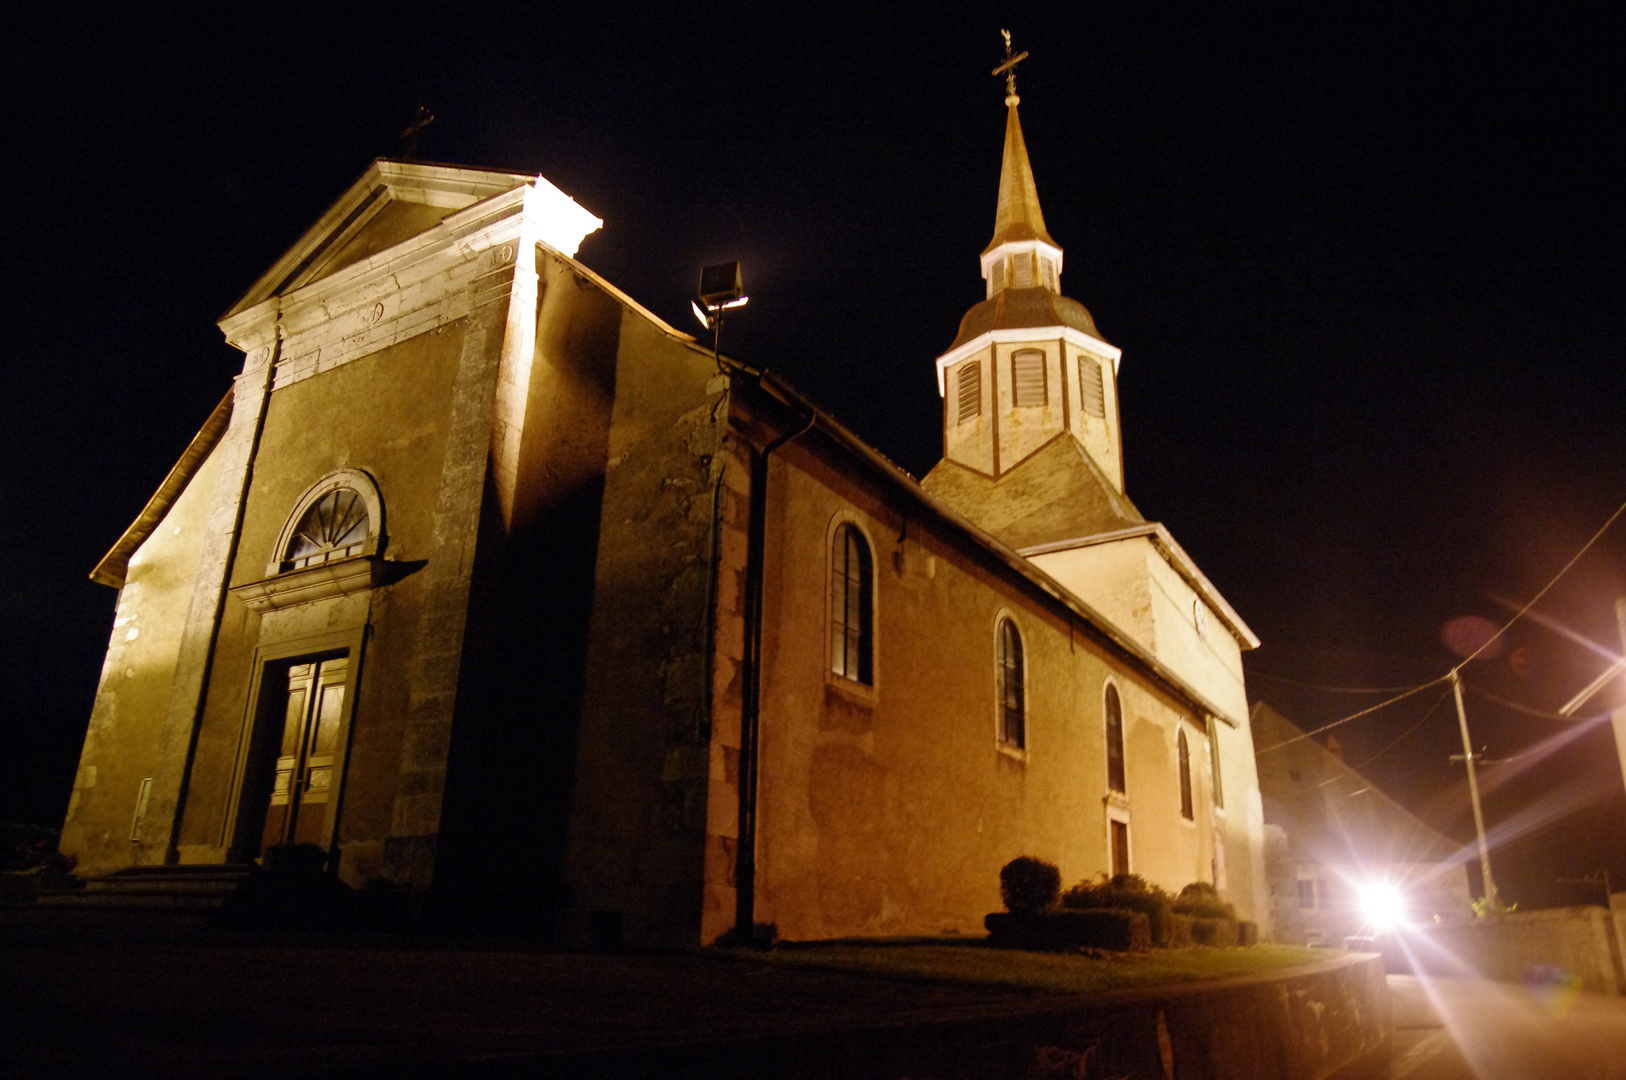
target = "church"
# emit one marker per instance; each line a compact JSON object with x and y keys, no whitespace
{"x":485,"y":585}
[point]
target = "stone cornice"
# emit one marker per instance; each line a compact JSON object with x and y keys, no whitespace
{"x":384,"y":180}
{"x":322,"y":582}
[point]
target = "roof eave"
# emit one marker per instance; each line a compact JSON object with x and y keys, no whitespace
{"x":114,"y":567}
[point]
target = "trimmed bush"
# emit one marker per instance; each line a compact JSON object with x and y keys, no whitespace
{"x":1027,"y":884}
{"x":1201,"y":900}
{"x":1219,"y":932}
{"x":1126,"y":892}
{"x":1177,"y":931}
{"x":1117,"y":931}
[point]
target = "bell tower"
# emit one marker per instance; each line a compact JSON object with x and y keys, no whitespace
{"x":1028,"y":367}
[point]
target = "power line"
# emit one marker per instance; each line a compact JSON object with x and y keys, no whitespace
{"x":1330,"y":689}
{"x":1527,"y":710}
{"x":1353,"y":716}
{"x":1406,"y":734}
{"x":1522,"y":612}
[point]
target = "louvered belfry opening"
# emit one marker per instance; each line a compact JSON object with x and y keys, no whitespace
{"x":1091,"y":393}
{"x":968,"y":385}
{"x":1028,"y":378}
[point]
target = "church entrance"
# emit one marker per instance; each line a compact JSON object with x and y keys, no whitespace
{"x":309,"y":696}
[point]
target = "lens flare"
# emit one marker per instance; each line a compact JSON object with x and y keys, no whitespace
{"x":1383,"y":906}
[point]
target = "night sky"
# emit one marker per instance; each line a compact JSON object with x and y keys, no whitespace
{"x":1364,"y":265}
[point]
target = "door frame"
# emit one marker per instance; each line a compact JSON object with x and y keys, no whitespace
{"x":256,"y":725}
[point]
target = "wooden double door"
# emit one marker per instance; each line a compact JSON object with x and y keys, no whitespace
{"x":304,"y":784}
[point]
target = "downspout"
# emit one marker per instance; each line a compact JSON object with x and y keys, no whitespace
{"x":745,"y":871}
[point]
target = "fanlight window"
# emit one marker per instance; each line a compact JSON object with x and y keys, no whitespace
{"x":335,"y":527}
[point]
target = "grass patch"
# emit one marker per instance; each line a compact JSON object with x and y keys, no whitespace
{"x":1059,"y":972}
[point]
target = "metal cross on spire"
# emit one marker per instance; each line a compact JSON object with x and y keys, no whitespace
{"x":1008,"y":69}
{"x":409,"y":137}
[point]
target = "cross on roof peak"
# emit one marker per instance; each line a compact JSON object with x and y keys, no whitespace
{"x":1008,"y":69}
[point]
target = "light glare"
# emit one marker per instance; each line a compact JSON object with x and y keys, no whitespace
{"x":1384,"y":907}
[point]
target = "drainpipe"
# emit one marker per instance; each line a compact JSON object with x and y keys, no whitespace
{"x":745,"y":870}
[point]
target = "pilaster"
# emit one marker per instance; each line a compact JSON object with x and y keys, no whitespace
{"x":178,"y":738}
{"x":484,"y":430}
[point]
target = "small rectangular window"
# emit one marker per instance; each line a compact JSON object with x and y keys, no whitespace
{"x":143,"y":793}
{"x":996,"y":277}
{"x":1028,"y":378}
{"x":1092,"y":396}
{"x":1306,"y":894}
{"x":1214,"y":763}
{"x":1120,"y":847}
{"x":1047,"y":273}
{"x":968,"y":385}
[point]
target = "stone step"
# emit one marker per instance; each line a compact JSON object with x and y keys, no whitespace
{"x":153,"y":901}
{"x":192,"y":888}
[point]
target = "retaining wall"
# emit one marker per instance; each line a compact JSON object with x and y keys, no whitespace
{"x":1314,"y":1023}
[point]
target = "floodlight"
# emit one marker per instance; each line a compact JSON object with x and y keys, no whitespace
{"x":720,"y":285}
{"x":1383,"y":906}
{"x":705,"y":320}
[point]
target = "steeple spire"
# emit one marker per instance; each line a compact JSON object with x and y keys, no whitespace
{"x":1021,"y":255}
{"x":1017,"y":216}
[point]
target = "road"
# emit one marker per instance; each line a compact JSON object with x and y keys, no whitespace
{"x":1468,"y":1029}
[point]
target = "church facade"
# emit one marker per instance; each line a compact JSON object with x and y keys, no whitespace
{"x":487,"y":584}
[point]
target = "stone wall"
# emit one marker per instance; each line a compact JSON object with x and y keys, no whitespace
{"x":1516,"y":947}
{"x":1332,"y":1020}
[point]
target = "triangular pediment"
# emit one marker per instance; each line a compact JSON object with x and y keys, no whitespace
{"x":1058,"y":493}
{"x":392,"y":201}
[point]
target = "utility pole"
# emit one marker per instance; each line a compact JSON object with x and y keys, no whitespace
{"x":1618,"y":718}
{"x":1491,"y":899}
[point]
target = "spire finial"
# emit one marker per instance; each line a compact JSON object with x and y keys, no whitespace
{"x":1008,"y":69}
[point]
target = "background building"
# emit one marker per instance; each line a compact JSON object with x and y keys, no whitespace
{"x":1331,"y":834}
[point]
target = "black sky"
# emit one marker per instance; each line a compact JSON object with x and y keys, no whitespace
{"x":1364,"y":264}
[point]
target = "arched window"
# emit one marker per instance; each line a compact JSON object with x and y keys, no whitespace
{"x":1012,"y":691}
{"x":1187,"y":811}
{"x":852,"y":606}
{"x":334,"y":527}
{"x":1115,"y":741}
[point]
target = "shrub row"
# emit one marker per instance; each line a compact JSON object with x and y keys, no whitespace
{"x":1093,"y":913}
{"x":1119,"y":931}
